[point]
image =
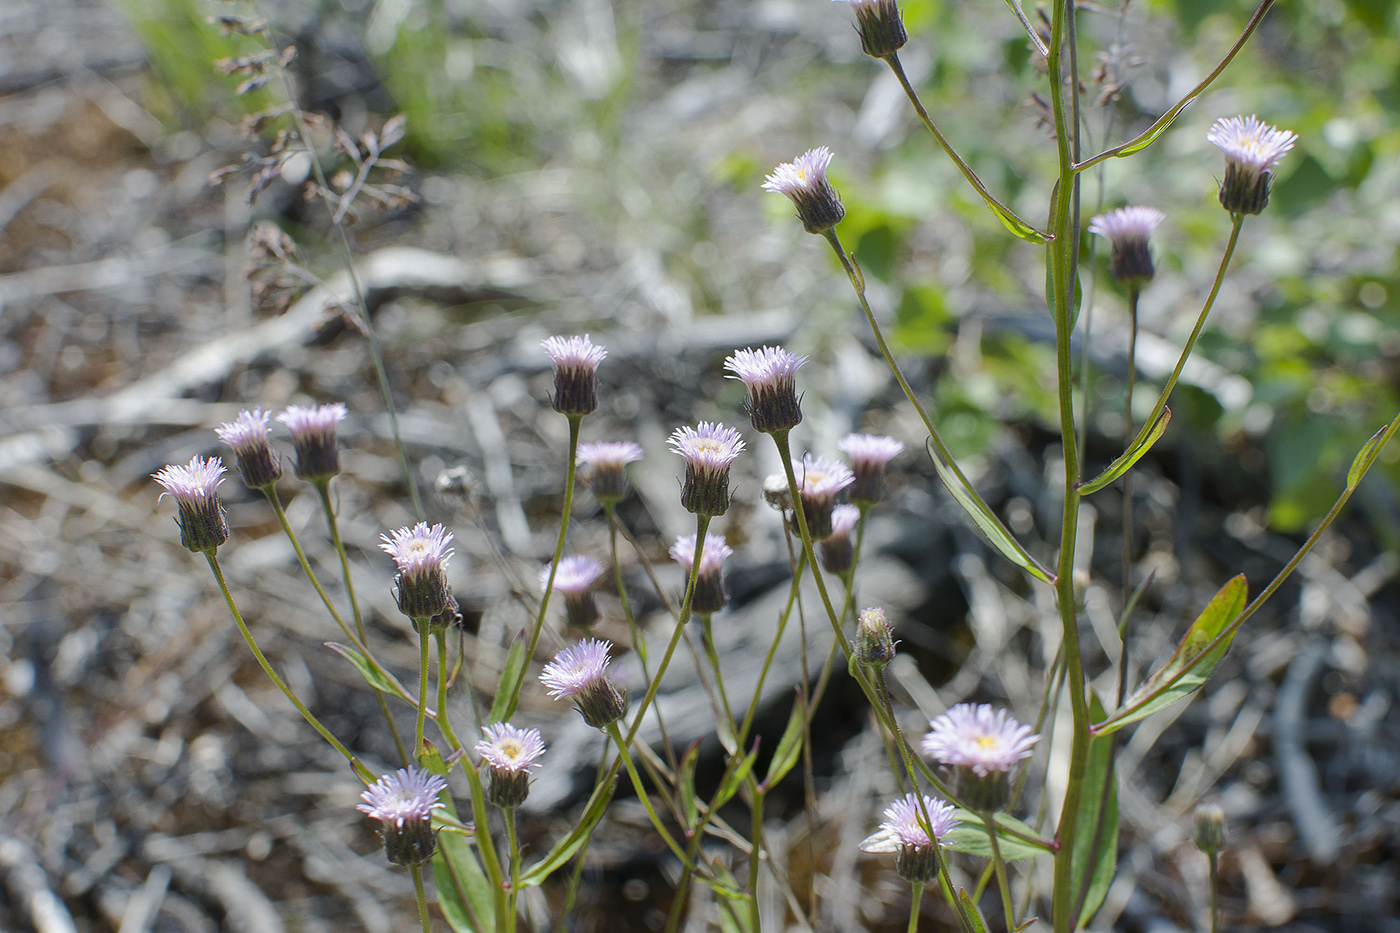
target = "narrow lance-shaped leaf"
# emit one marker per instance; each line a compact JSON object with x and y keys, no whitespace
{"x":789,"y":746}
{"x":378,"y":678}
{"x":974,"y":916}
{"x":1130,"y":456}
{"x":510,"y":674}
{"x":734,"y":777}
{"x":987,"y":521}
{"x":1190,"y":664}
{"x":1365,"y":457}
{"x":685,"y":785}
{"x":970,"y":837}
{"x":1095,"y":853}
{"x":463,"y":890}
{"x":565,"y":848}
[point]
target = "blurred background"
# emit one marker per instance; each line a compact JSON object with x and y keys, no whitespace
{"x":578,"y":166}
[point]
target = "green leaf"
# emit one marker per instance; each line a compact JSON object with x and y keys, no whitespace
{"x":379,"y":679}
{"x":734,"y":777}
{"x":1015,"y":224}
{"x":1095,"y":853}
{"x":1130,"y":456}
{"x":1190,"y":665}
{"x":1364,"y":458}
{"x":970,"y":838}
{"x":789,"y":746}
{"x":463,"y":890}
{"x":974,"y":916}
{"x":987,"y":521}
{"x":685,"y":783}
{"x":565,"y":848}
{"x":504,"y":703}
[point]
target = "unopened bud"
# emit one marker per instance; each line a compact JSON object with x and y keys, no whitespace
{"x":874,"y":638}
{"x":1210,"y":828}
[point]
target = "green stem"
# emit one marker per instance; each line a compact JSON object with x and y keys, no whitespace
{"x":708,"y":641}
{"x":916,"y":898}
{"x":417,"y":872}
{"x":323,"y":489}
{"x":365,"y":774}
{"x":755,"y":851}
{"x":989,"y":823}
{"x":484,"y":843}
{"x":644,"y":797}
{"x":444,"y":722}
{"x":513,"y":840}
{"x":1214,"y":892}
{"x":1127,"y":443}
{"x":422,"y":626}
{"x":513,"y":690}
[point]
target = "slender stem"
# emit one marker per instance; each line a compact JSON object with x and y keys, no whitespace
{"x":444,"y":722}
{"x":422,"y":626}
{"x":513,"y":690}
{"x":756,"y":852}
{"x":916,"y":898}
{"x":708,"y":642}
{"x":323,"y":489}
{"x":365,"y":774}
{"x":1214,"y":892}
{"x":989,"y":823}
{"x":513,"y":840}
{"x":643,"y":796}
{"x":417,"y":872}
{"x":571,"y":892}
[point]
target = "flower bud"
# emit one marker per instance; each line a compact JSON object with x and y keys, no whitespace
{"x":313,"y":431}
{"x":1209,"y":835}
{"x":874,"y":638}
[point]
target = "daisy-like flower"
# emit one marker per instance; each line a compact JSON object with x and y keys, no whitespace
{"x":580,"y":672}
{"x":1127,"y":230}
{"x":420,"y":553}
{"x":195,"y":489}
{"x":510,"y":754}
{"x":575,"y":362}
{"x":574,"y":579}
{"x":246,"y":436}
{"x":837,"y":551}
{"x":874,"y":638}
{"x":770,"y":375}
{"x":403,"y":803}
{"x":1252,"y":148}
{"x":708,"y":450}
{"x":870,"y":454}
{"x":904,"y":833}
{"x":983,"y":745}
{"x":606,"y":468}
{"x":880,"y":25}
{"x":803,"y":181}
{"x":313,"y":437}
{"x":819,"y":479}
{"x":710,"y":596}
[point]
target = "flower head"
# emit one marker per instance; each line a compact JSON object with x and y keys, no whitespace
{"x":837,"y":550}
{"x":195,"y":490}
{"x":880,"y":25}
{"x":403,"y":803}
{"x":313,"y":430}
{"x":574,"y":579}
{"x":606,"y":464}
{"x":246,"y":436}
{"x":708,"y":450}
{"x":575,"y":362}
{"x":580,"y":672}
{"x":769,"y":375}
{"x":803,"y":181}
{"x":510,"y":754}
{"x":1127,"y":230}
{"x":710,"y":596}
{"x":870,"y":454}
{"x":819,"y":479}
{"x":1252,"y":148}
{"x":904,"y":832}
{"x":983,"y":745}
{"x":420,"y":553}
{"x":874,"y":638}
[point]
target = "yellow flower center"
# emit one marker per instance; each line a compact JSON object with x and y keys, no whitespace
{"x":511,"y":749}
{"x":985,"y":742}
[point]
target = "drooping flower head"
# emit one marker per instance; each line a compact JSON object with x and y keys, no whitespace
{"x":708,"y":450}
{"x":837,"y":550}
{"x":819,"y":479}
{"x":574,"y":579}
{"x":710,"y":596}
{"x":904,"y":832}
{"x":770,"y":375}
{"x":403,"y":803}
{"x":880,"y":25}
{"x":1252,"y":148}
{"x":313,"y":430}
{"x":874,"y":638}
{"x":246,"y":436}
{"x":420,"y":553}
{"x":870,"y":454}
{"x":194,"y":488}
{"x":575,"y":362}
{"x":803,"y":181}
{"x":1127,"y":230}
{"x":510,"y":754}
{"x":580,"y":672}
{"x":606,"y":468}
{"x":983,"y":745}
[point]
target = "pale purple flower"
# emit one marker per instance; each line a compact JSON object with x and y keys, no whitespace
{"x":1127,"y":230}
{"x":904,"y":833}
{"x":403,"y":803}
{"x":979,"y":738}
{"x":246,"y":436}
{"x":313,"y":430}
{"x":194,"y":488}
{"x":606,"y":463}
{"x":576,"y":361}
{"x":819,"y":479}
{"x":420,"y":553}
{"x":837,"y":550}
{"x":1252,"y":148}
{"x":870,"y":454}
{"x":708,"y":450}
{"x":579,"y":672}
{"x":803,"y":181}
{"x":508,"y":748}
{"x":710,"y":596}
{"x":574,"y":579}
{"x":770,"y":376}
{"x":880,"y":25}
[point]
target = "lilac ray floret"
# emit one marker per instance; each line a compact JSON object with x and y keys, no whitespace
{"x":418,"y":550}
{"x":717,"y":551}
{"x":770,"y":376}
{"x":979,"y":738}
{"x":902,"y":821}
{"x":576,"y":361}
{"x":576,"y":575}
{"x":803,"y":181}
{"x":194,"y":487}
{"x":407,"y":795}
{"x":510,"y":749}
{"x":1250,"y":142}
{"x":313,"y":430}
{"x":577,"y":668}
{"x":246,"y":436}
